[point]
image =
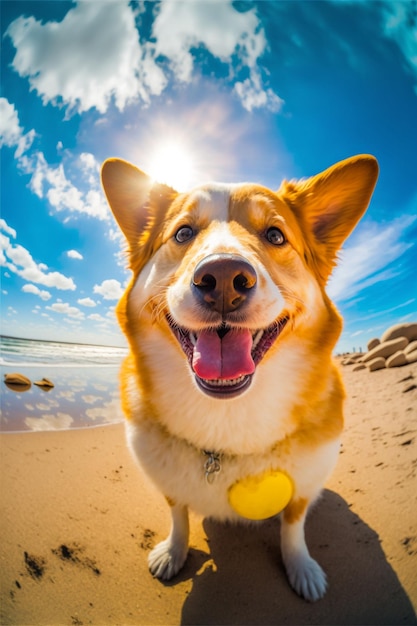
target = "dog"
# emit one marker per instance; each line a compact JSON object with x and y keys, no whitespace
{"x":234,"y":404}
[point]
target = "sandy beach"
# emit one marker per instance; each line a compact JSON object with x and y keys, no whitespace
{"x":78,"y":520}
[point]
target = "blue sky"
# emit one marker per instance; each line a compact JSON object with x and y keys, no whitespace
{"x":194,"y":91}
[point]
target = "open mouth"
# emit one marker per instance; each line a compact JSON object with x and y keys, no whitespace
{"x":224,"y":359}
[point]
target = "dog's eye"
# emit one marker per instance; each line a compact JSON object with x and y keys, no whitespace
{"x":275,"y":236}
{"x":183,"y":234}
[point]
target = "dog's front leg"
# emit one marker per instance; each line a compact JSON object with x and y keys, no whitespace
{"x":168,"y":557}
{"x":305,"y":575}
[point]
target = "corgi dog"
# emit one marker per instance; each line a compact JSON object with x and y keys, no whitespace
{"x":233,"y":402}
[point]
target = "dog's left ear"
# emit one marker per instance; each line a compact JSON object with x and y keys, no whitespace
{"x":332,"y":203}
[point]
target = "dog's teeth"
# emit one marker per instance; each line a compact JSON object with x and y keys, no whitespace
{"x":257,"y":338}
{"x":218,"y":382}
{"x":193,"y":338}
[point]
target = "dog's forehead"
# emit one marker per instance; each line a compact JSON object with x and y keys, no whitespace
{"x":217,"y":201}
{"x":212,"y":201}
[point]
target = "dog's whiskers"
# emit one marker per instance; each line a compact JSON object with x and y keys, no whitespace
{"x":156,"y":304}
{"x":292,"y":297}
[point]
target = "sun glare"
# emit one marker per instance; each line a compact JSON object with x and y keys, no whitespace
{"x":172,"y":165}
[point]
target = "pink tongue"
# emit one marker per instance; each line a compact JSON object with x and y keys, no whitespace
{"x":226,"y":358}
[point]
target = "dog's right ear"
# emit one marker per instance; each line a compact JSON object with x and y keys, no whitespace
{"x":136,"y":201}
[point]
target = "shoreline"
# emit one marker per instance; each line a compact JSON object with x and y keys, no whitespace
{"x":78,"y":520}
{"x":66,"y":343}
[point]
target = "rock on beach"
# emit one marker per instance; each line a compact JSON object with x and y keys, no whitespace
{"x":409,"y":331}
{"x":19,"y":382}
{"x":386,"y":348}
{"x":14,"y":378}
{"x":376,"y":364}
{"x":396,"y":359}
{"x":396,"y":347}
{"x":373,"y":343}
{"x":45,"y":382}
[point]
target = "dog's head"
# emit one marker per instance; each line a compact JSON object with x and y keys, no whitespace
{"x":230,"y":271}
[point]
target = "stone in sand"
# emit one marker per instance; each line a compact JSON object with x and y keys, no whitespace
{"x":386,"y":349}
{"x":15,"y":378}
{"x":45,"y":382}
{"x":359,"y":366}
{"x":411,"y":357}
{"x":401,"y":330}
{"x":373,"y":343}
{"x":397,"y":359}
{"x":376,"y":364}
{"x":352,"y":358}
{"x":411,"y":347}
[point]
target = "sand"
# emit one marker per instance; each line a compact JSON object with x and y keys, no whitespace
{"x":78,"y":520}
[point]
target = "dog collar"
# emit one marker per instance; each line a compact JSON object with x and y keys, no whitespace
{"x":254,"y":497}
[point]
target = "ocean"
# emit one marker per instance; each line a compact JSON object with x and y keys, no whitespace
{"x":85,"y":391}
{"x":28,"y":352}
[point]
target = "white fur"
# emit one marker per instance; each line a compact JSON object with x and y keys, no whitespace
{"x":168,"y":557}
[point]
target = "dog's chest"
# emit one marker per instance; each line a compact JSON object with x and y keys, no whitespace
{"x":199,"y":478}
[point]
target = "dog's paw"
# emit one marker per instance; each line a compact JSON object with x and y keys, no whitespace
{"x":166,"y":559}
{"x":307,"y":578}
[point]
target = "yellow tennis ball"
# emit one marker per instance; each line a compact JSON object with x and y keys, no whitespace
{"x":262,"y":496}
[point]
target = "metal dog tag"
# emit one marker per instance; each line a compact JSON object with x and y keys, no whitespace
{"x":212,"y":466}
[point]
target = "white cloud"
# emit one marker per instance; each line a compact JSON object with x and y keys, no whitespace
{"x":29,"y":288}
{"x":24,"y":266}
{"x":87,"y":302}
{"x":365,"y":260}
{"x":253,"y":95}
{"x":90,"y":162}
{"x":7,"y":229}
{"x":19,"y":261}
{"x":228,"y":34}
{"x":73,"y":254}
{"x":110,"y":289}
{"x":66,"y":64}
{"x":96,"y":317}
{"x":11,"y":133}
{"x":4,"y":244}
{"x":52,"y":183}
{"x":69,"y":67}
{"x":90,"y":170}
{"x":10,"y":130}
{"x":66,"y":309}
{"x":181,"y":26}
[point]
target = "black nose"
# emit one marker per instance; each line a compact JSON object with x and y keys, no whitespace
{"x":224,"y":281}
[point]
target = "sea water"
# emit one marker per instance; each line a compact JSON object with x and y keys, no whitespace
{"x":85,"y":391}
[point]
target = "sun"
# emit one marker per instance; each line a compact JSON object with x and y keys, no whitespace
{"x":171,"y":163}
